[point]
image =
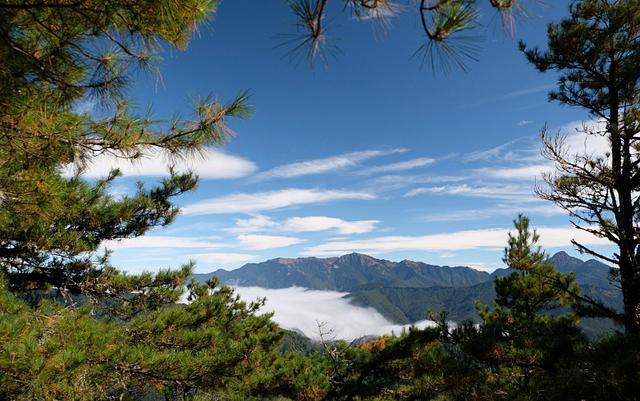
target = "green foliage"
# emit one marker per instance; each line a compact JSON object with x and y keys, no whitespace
{"x":447,"y":26}
{"x":55,"y":56}
{"x":517,"y":340}
{"x":406,"y":305}
{"x":295,"y":376}
{"x":71,"y":325}
{"x":294,"y":341}
{"x":214,"y":345}
{"x":535,"y":286}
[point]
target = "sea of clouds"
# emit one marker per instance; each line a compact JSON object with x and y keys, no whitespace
{"x":297,"y":308}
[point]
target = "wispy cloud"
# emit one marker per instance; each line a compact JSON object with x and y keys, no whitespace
{"x":300,"y":309}
{"x":323,"y":223}
{"x":254,"y":224}
{"x":324,"y":165}
{"x":400,"y":166}
{"x":261,"y":223}
{"x":492,"y":212}
{"x":245,"y":241}
{"x":222,"y":258}
{"x":459,"y":240}
{"x":498,"y":191}
{"x":210,"y":164}
{"x":579,"y":142}
{"x":526,"y":173}
{"x":529,"y":91}
{"x":522,"y":123}
{"x":392,"y":182}
{"x":262,"y":242}
{"x":521,"y":159}
{"x":511,"y":95}
{"x":517,"y":150}
{"x":271,"y":200}
{"x":528,"y":149}
{"x":161,"y":241}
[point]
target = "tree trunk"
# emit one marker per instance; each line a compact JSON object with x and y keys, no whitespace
{"x":630,"y":281}
{"x":624,"y":215}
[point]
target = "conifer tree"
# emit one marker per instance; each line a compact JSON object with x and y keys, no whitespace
{"x":596,"y":51}
{"x":447,"y":26}
{"x":525,"y":334}
{"x":54,"y":55}
{"x":116,"y":336}
{"x":214,"y":347}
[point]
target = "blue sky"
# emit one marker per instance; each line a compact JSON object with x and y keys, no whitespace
{"x":368,"y":153}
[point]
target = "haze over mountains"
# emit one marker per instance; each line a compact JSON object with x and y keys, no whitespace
{"x":404,"y":291}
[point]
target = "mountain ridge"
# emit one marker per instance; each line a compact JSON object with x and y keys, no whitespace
{"x":347,"y":273}
{"x":355,"y":271}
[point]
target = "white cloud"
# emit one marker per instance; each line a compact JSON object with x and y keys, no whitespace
{"x":400,"y":166}
{"x":151,"y":259}
{"x":525,"y":173}
{"x":322,"y":223}
{"x":261,"y":223}
{"x":579,"y":142}
{"x":297,"y":308}
{"x":459,"y":240}
{"x":509,"y":192}
{"x":271,"y":200}
{"x":391,"y":182}
{"x":212,"y":164}
{"x":528,"y":150}
{"x":161,"y":241}
{"x":529,"y":91}
{"x":253,"y":224}
{"x":260,"y":242}
{"x":324,"y":165}
{"x":222,"y":258}
{"x":522,"y":123}
{"x":547,"y":209}
{"x":492,"y":154}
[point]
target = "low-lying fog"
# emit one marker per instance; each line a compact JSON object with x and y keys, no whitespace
{"x":302,"y":309}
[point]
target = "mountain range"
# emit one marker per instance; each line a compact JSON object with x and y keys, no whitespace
{"x":404,"y":291}
{"x":347,"y":273}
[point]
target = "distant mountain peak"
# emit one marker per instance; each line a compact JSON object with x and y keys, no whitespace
{"x":358,"y":256}
{"x":563,"y":256}
{"x":284,"y":261}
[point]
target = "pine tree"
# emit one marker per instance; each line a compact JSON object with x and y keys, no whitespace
{"x":88,"y":330}
{"x":53,"y":56}
{"x":447,"y":26}
{"x":525,"y":334}
{"x":596,"y":50}
{"x":216,"y":346}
